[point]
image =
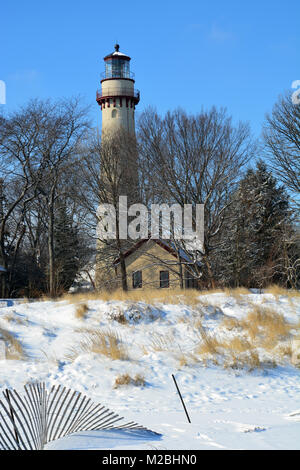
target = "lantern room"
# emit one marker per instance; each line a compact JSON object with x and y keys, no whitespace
{"x":117,"y":96}
{"x":117,"y":65}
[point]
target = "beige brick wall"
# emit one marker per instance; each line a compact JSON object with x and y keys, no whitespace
{"x":147,"y":259}
{"x":115,"y":118}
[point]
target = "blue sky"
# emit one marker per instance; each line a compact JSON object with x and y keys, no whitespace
{"x":190,"y":53}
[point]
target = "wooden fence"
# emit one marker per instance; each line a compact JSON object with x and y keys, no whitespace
{"x":41,"y":416}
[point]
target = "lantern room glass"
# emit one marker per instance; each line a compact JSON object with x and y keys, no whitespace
{"x":117,"y":68}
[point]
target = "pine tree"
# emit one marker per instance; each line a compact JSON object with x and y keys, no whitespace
{"x":66,"y":250}
{"x":255,"y":236}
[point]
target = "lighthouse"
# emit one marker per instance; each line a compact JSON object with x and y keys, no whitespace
{"x":117,"y":96}
{"x":117,"y":99}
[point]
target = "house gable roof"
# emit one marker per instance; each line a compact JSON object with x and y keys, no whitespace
{"x":163,"y":244}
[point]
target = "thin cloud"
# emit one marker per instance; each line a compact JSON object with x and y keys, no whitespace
{"x":219,"y":35}
{"x":24,"y":75}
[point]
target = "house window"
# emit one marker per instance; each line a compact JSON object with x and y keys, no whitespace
{"x":190,"y":281}
{"x":164,"y":279}
{"x":114,"y":113}
{"x":137,"y":279}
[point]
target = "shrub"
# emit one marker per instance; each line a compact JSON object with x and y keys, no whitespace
{"x":125,"y":379}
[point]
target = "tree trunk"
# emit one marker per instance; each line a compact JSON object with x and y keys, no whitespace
{"x":210,"y":273}
{"x":52,"y":290}
{"x":123,"y":273}
{"x":180,"y":271}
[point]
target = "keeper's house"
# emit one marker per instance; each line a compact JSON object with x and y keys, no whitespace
{"x":154,"y":264}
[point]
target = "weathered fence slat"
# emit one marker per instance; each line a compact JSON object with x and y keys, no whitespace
{"x":42,"y":416}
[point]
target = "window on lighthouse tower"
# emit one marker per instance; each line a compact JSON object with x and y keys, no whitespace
{"x":117,"y":68}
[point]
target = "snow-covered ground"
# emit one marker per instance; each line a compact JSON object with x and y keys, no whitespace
{"x":229,"y":407}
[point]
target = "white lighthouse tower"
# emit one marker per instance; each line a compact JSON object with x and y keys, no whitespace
{"x":117,"y":97}
{"x":119,"y":172}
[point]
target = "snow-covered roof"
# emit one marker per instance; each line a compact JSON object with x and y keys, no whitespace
{"x":117,"y":53}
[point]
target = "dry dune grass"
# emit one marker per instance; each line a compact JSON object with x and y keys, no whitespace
{"x":285,"y":349}
{"x":278,"y":290}
{"x":150,"y":296}
{"x":163,"y":342}
{"x":13,"y":348}
{"x":189,"y":297}
{"x":167,"y":343}
{"x":212,"y":291}
{"x":125,"y":379}
{"x":237,"y":353}
{"x":13,"y":318}
{"x":186,"y":359}
{"x":262,"y":330}
{"x":81,"y":311}
{"x":266,"y":327}
{"x":241,"y":353}
{"x":245,"y":360}
{"x":230,"y":323}
{"x":25,"y":300}
{"x":263,"y":325}
{"x":238,"y":293}
{"x":209,"y":344}
{"x":51,"y":358}
{"x":45,"y":298}
{"x":238,"y":345}
{"x":106,"y":342}
{"x":172,"y":295}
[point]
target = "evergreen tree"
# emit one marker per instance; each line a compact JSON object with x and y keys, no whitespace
{"x":258,"y":233}
{"x":66,"y":250}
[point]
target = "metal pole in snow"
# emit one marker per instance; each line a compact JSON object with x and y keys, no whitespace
{"x":184,"y":407}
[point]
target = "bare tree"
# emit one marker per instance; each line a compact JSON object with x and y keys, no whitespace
{"x":38,"y":145}
{"x":108,"y":171}
{"x":64,"y":126}
{"x":194,"y":160}
{"x":282,"y":143}
{"x":20,"y":170}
